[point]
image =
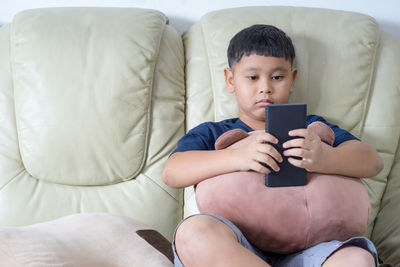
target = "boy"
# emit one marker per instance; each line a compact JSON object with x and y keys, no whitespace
{"x":260,"y":73}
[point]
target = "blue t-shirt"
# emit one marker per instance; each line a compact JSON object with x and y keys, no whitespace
{"x":203,"y":136}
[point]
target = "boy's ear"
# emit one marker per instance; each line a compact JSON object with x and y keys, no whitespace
{"x":229,"y":80}
{"x":294,"y":75}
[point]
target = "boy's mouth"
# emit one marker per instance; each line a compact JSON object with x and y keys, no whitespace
{"x":264,"y":102}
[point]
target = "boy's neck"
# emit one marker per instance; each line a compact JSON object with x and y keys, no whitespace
{"x":253,"y":124}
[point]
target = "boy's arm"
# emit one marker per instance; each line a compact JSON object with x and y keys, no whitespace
{"x":188,"y":168}
{"x":351,"y":158}
{"x":191,"y":167}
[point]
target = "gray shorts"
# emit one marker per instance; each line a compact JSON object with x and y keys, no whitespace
{"x":313,"y":256}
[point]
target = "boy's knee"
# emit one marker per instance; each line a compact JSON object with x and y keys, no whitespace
{"x":363,"y":257}
{"x":351,"y":256}
{"x":201,"y":229}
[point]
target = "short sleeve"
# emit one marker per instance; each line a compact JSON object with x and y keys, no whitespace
{"x":198,"y":138}
{"x":203,"y":137}
{"x":341,"y":135}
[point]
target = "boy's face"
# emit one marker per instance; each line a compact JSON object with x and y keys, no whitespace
{"x":258,"y":81}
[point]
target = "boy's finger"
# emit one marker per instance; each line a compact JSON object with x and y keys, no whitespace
{"x":299,"y":132}
{"x":273,"y":165}
{"x":270,"y":162}
{"x":271,"y":151}
{"x":266,"y":137}
{"x":298,"y":163}
{"x":259,"y":167}
{"x":305,"y":133}
{"x":295,"y":152}
{"x":297,"y":142}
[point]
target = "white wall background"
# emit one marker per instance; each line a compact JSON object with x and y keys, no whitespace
{"x":183,"y":13}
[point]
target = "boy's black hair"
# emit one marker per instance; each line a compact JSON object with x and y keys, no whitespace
{"x":263,"y":40}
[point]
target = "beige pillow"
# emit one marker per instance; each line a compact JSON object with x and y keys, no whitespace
{"x":92,"y":239}
{"x":286,"y":219}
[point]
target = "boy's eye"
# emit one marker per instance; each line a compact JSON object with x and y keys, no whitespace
{"x":277,"y":78}
{"x":252,"y":77}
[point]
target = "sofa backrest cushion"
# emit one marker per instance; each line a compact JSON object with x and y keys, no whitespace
{"x":383,"y":128}
{"x":83,"y":88}
{"x":88,"y":96}
{"x":343,"y":76}
{"x":328,"y":53}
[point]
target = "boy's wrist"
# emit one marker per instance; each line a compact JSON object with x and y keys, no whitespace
{"x":327,"y":164}
{"x":232,"y":159}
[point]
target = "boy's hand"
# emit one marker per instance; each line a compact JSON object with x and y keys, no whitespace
{"x":310,"y":148}
{"x":258,"y":153}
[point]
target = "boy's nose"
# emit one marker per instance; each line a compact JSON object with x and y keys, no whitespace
{"x":266,"y":90}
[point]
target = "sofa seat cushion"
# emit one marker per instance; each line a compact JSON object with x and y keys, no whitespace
{"x":91,"y":239}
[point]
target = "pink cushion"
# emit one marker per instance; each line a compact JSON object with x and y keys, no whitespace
{"x":287,"y":219}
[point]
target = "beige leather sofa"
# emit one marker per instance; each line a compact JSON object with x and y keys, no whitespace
{"x":93,"y":100}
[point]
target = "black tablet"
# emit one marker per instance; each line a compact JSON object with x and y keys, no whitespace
{"x":279,"y":120}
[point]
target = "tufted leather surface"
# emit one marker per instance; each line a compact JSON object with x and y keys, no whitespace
{"x":348,"y":73}
{"x":93,"y":100}
{"x":92,"y":104}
